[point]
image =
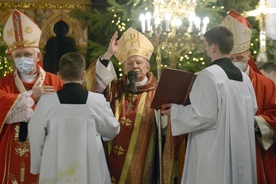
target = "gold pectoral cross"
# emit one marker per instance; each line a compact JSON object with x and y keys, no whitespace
{"x":129,"y":105}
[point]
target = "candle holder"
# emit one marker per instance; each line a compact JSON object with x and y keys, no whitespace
{"x":176,"y":26}
{"x":260,"y":13}
{"x":176,"y":30}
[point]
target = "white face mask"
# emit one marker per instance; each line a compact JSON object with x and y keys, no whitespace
{"x":241,"y":65}
{"x":24,"y":64}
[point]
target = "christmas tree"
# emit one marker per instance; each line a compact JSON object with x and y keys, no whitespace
{"x":108,"y":16}
{"x":6,"y":65}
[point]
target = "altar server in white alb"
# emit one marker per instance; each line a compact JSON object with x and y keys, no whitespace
{"x":67,"y":128}
{"x":219,"y":120}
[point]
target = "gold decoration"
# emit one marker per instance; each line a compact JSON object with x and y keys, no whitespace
{"x":9,"y":33}
{"x":126,"y":122}
{"x":28,"y":29}
{"x":22,"y":148}
{"x":241,"y":29}
{"x":113,"y":180}
{"x":16,"y":31}
{"x":118,"y":150}
{"x":25,"y":5}
{"x":131,"y":43}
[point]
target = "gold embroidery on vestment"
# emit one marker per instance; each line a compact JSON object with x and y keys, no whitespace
{"x":126,"y":121}
{"x":113,"y":180}
{"x":118,"y":150}
{"x":22,"y":172}
{"x":22,"y":148}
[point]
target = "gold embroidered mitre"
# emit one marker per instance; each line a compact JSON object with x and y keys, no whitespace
{"x":131,"y":43}
{"x":20,"y":31}
{"x":241,"y":29}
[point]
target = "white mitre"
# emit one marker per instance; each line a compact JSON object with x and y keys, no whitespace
{"x":241,"y":29}
{"x":20,"y":31}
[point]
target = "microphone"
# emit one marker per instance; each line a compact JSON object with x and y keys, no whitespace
{"x":131,"y":75}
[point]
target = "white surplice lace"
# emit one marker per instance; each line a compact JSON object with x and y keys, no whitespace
{"x":22,"y":109}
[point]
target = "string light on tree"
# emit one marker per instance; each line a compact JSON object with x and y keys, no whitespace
{"x":169,"y":31}
{"x":261,"y":12}
{"x":172,"y":39}
{"x":6,"y":65}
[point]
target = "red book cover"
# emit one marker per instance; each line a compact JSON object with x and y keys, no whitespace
{"x":174,"y":87}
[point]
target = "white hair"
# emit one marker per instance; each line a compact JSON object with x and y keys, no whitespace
{"x":37,"y":50}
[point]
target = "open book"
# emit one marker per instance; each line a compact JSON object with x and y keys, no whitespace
{"x":174,"y":87}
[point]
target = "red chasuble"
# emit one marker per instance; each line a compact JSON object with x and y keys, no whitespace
{"x":132,"y":154}
{"x":266,"y":98}
{"x":15,"y":155}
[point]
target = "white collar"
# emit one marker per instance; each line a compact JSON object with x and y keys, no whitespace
{"x":39,"y":82}
{"x":141,"y":83}
{"x":247,"y":70}
{"x":28,"y":78}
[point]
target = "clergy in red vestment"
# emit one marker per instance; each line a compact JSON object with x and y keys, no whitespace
{"x":265,"y":117}
{"x":19,"y":93}
{"x":132,"y":155}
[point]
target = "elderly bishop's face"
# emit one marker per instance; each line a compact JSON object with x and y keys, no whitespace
{"x":25,"y":60}
{"x":138,"y":64}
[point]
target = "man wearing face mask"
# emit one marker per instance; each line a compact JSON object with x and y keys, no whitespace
{"x":19,"y":92}
{"x":265,"y":117}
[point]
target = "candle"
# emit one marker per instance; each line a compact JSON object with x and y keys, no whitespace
{"x":167,"y":22}
{"x":191,"y":23}
{"x":197,"y":22}
{"x":157,"y":22}
{"x":205,"y":24}
{"x":143,"y":22}
{"x":148,"y":21}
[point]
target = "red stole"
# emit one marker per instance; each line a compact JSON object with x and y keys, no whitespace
{"x":132,"y":153}
{"x":15,"y":155}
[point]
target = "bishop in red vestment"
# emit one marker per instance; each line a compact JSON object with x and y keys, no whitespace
{"x":19,"y":92}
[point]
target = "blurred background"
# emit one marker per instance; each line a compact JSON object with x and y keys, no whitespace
{"x":175,"y":27}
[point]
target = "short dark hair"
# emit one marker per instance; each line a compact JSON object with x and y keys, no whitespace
{"x":71,"y":66}
{"x":222,"y":37}
{"x":268,"y":67}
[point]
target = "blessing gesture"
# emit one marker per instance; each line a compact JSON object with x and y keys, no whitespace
{"x":112,"y":48}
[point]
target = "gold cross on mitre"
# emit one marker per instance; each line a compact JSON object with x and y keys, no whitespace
{"x":261,"y":12}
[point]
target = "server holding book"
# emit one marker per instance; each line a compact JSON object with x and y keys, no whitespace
{"x":221,"y":144}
